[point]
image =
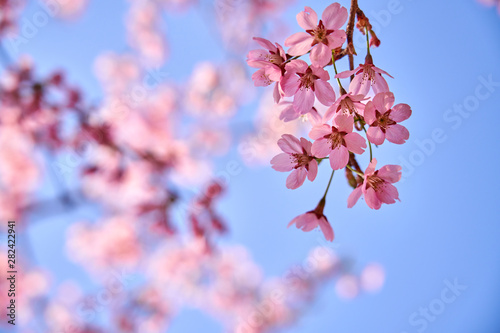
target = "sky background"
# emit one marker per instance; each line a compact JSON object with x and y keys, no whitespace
{"x":446,"y":226}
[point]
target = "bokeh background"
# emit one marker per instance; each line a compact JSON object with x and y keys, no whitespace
{"x":446,"y":227}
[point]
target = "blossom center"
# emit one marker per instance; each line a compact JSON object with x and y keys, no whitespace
{"x":307,"y":79}
{"x":383,"y":121}
{"x":335,"y":139}
{"x":374,"y":182}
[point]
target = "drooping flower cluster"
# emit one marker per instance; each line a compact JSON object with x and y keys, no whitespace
{"x":366,"y":107}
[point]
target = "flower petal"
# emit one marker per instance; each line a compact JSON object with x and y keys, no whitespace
{"x":290,"y":144}
{"x":320,"y":55}
{"x":303,"y":100}
{"x":299,"y":43}
{"x":324,"y":92}
{"x":400,"y":112}
{"x":334,"y":16}
{"x":283,"y":162}
{"x":375,"y":135}
{"x":390,"y":173}
{"x":321,"y":148}
{"x":383,"y":101}
{"x":371,"y":199}
{"x":313,"y":170}
{"x":320,"y":131}
{"x":354,"y":197}
{"x":296,"y":178}
{"x":397,"y":134}
{"x":339,"y":157}
{"x":307,"y":19}
{"x":326,"y":228}
{"x":355,"y":143}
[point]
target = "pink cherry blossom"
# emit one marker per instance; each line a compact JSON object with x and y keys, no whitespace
{"x":377,"y":186}
{"x":314,"y":218}
{"x":304,"y":83}
{"x":347,"y":104}
{"x":336,"y":141}
{"x":384,"y":121}
{"x":323,"y":37}
{"x":297,"y":157}
{"x":271,"y":64}
{"x":367,"y":75}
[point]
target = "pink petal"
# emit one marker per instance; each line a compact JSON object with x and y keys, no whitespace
{"x":326,"y":228}
{"x":290,"y":144}
{"x":320,"y":131}
{"x":336,"y":39}
{"x":260,"y":79}
{"x":314,"y":117}
{"x":277,"y":93}
{"x":321,"y":148}
{"x":308,"y":19}
{"x":397,"y":134}
{"x":283,"y":162}
{"x":355,"y":143}
{"x":257,"y":58}
{"x":369,"y":113}
{"x":400,"y":112}
{"x":380,"y":84}
{"x":360,"y":85}
{"x":303,"y":100}
{"x":320,"y":55}
{"x":354,"y":197}
{"x":324,"y":92}
{"x":332,"y":110}
{"x":387,"y":193}
{"x":375,"y":135}
{"x":296,"y":65}
{"x":339,"y":157}
{"x":334,"y":16}
{"x":380,"y":71}
{"x":346,"y":74}
{"x":308,"y":222}
{"x":371,"y":199}
{"x":306,"y":144}
{"x":383,"y":101}
{"x":299,"y":43}
{"x":390,"y":173}
{"x":371,"y":167}
{"x":289,"y":84}
{"x":273,"y":72}
{"x":313,"y":170}
{"x":296,"y":178}
{"x":344,"y":123}
{"x":265,"y":43}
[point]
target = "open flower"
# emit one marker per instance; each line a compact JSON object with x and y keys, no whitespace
{"x":336,"y":141}
{"x":314,"y":218}
{"x":304,"y":82}
{"x":377,"y":186}
{"x":323,"y":37}
{"x":347,"y":104}
{"x":367,"y":75}
{"x":384,"y":121}
{"x":297,"y":157}
{"x":271,"y":64}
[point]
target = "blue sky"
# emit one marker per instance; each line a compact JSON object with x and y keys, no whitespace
{"x":446,"y":226}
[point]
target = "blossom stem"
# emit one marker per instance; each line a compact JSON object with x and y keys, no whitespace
{"x":367,"y":41}
{"x":369,"y":143}
{"x":328,"y":186}
{"x":342,"y":90}
{"x":356,"y":171}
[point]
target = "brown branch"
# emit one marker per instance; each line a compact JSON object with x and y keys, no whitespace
{"x":349,"y":32}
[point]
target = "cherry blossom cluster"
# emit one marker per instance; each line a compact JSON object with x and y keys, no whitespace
{"x":142,"y":158}
{"x":304,"y":88}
